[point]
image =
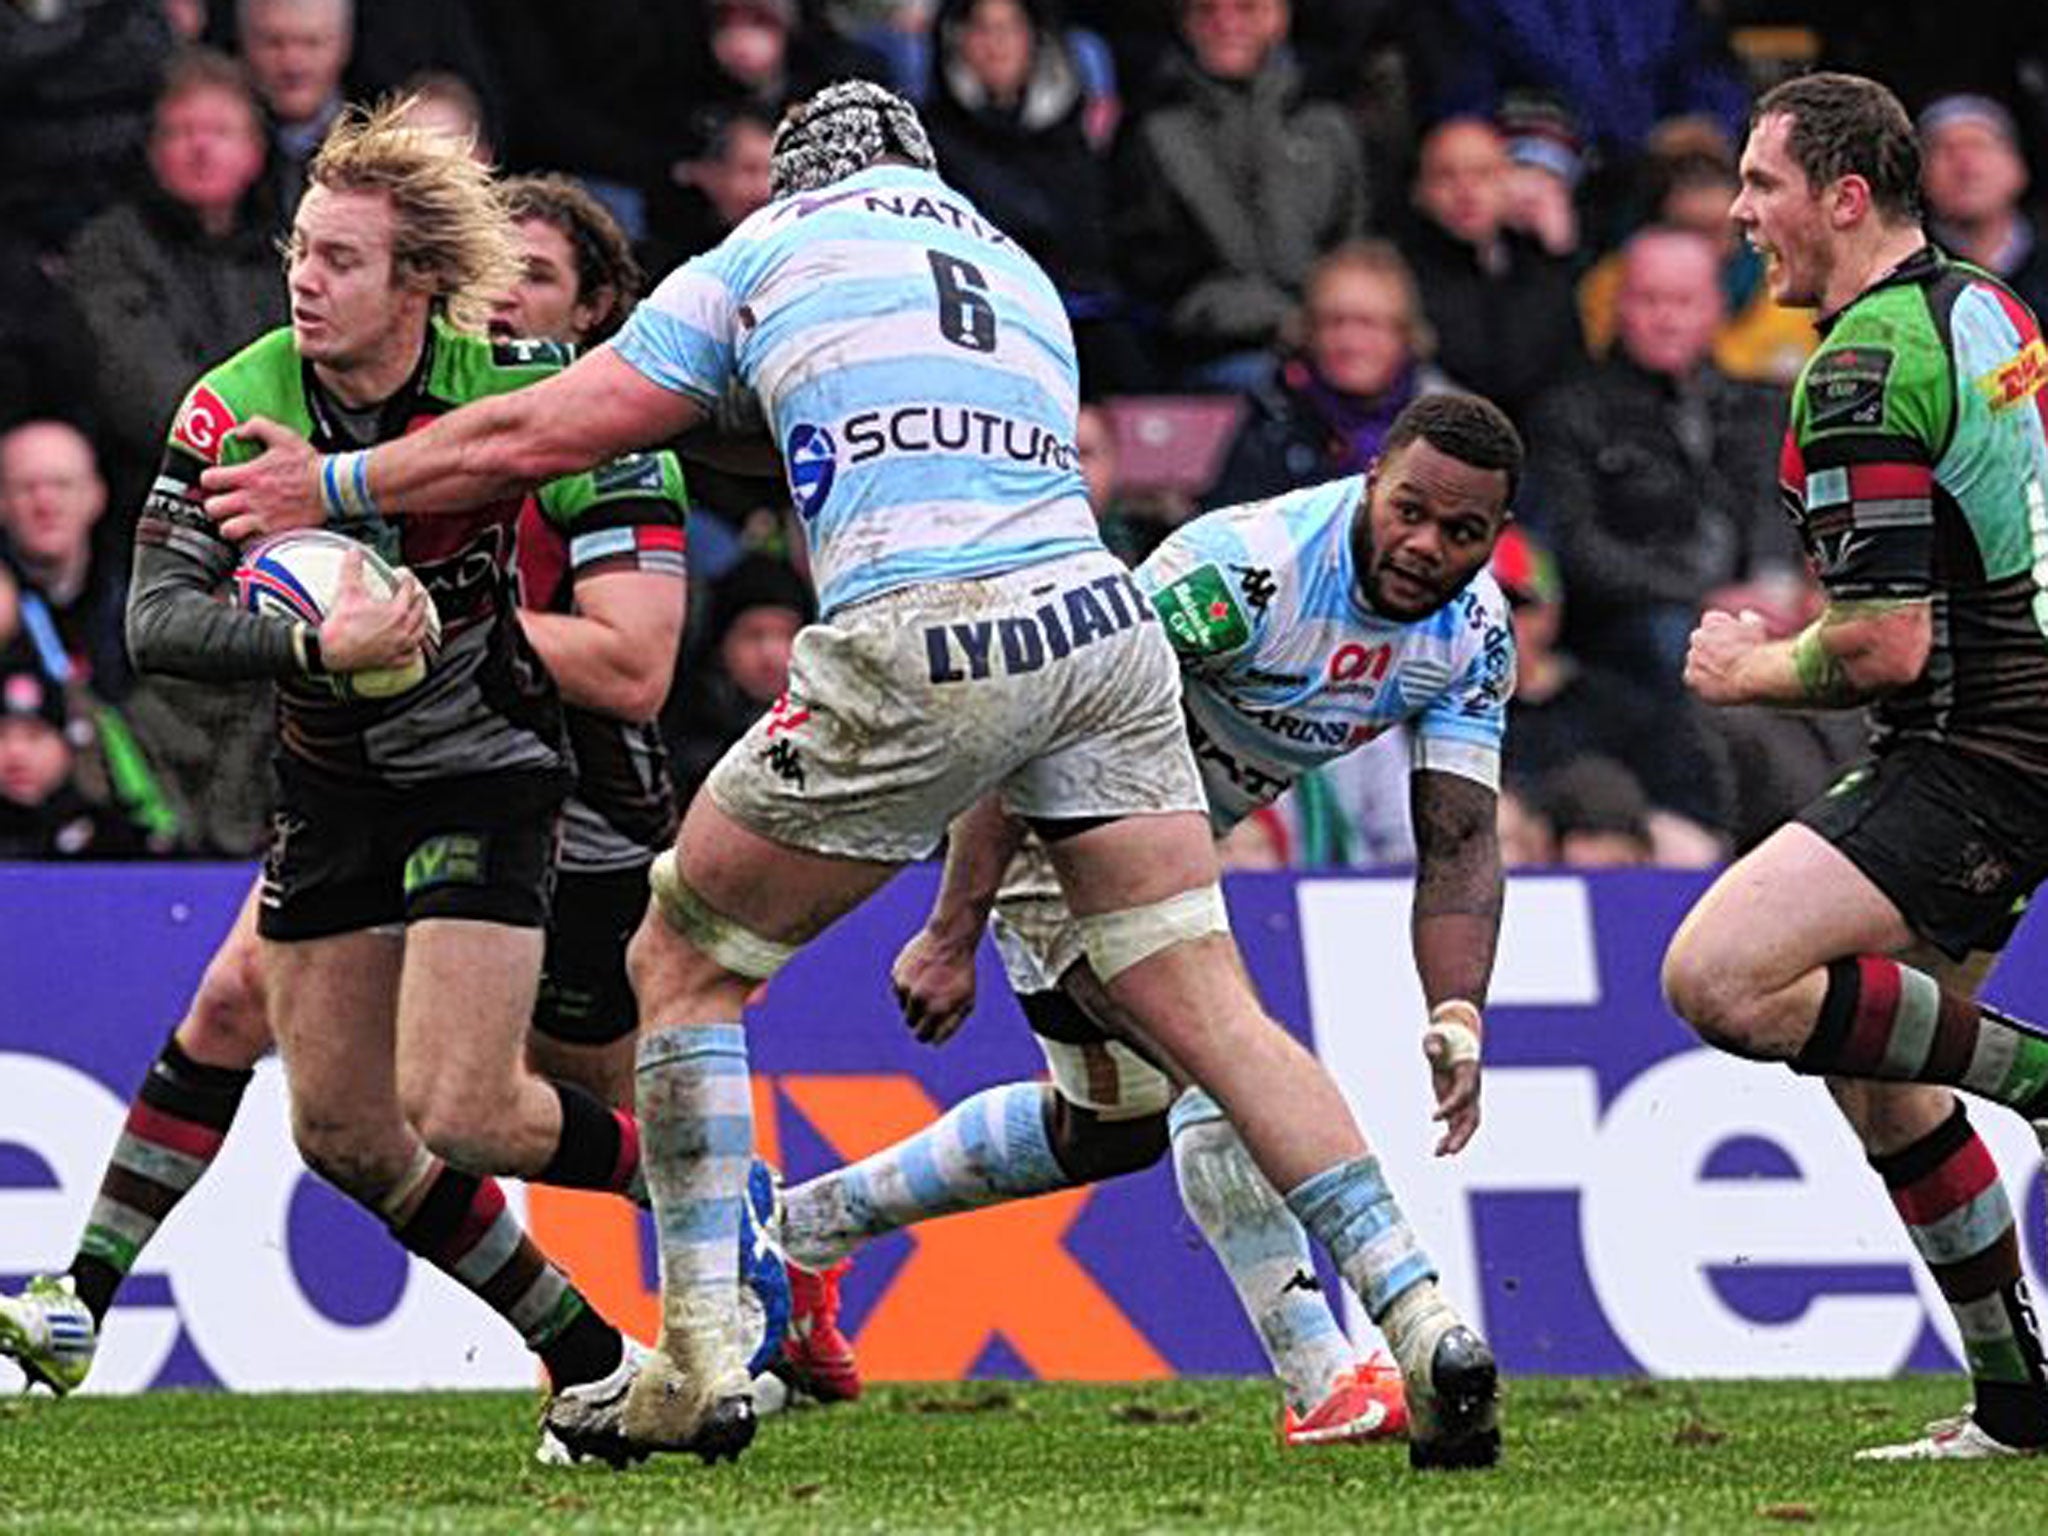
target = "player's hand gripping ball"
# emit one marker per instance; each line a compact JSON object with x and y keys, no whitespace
{"x":296,"y":577}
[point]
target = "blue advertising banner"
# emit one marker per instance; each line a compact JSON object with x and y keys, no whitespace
{"x":1633,"y":1203}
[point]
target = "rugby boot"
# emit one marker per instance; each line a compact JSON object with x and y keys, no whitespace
{"x":818,"y":1359}
{"x":586,"y":1423}
{"x":49,"y":1333}
{"x":1961,"y":1438}
{"x":1454,"y":1407}
{"x":1367,"y":1403}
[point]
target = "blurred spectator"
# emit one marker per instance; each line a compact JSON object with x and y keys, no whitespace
{"x":1131,"y":532}
{"x":1758,"y":338}
{"x":188,"y":19}
{"x":45,"y":812}
{"x":899,"y":33}
{"x":1597,"y":814}
{"x":1363,"y":356}
{"x":1545,"y":161}
{"x":706,"y":198}
{"x":762,"y":56}
{"x":1006,"y":117}
{"x":1997,"y":48}
{"x":1564,"y":708}
{"x":447,"y":104}
{"x":180,"y":275}
{"x":296,"y":51}
{"x":1653,"y":474}
{"x":76,"y":81}
{"x":1228,"y":188}
{"x":1620,"y":66}
{"x":398,"y":43}
{"x":1500,"y":304}
{"x":757,"y":607}
{"x":46,"y":358}
{"x":1526,"y":838}
{"x":1974,"y":178}
{"x":72,"y":601}
{"x":602,"y":90}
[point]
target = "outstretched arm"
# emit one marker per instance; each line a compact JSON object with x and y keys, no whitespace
{"x":594,"y":410}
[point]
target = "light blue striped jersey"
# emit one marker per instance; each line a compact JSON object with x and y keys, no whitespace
{"x":1286,"y":666}
{"x":914,"y":365}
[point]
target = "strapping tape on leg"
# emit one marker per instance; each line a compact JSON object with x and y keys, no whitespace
{"x":712,"y":935}
{"x":1116,"y":941}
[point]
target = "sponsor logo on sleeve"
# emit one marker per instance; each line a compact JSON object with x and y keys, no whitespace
{"x":203,"y":424}
{"x":2017,"y":379}
{"x":1202,"y":614}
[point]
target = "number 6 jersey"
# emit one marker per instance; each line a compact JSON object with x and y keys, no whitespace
{"x":914,"y":365}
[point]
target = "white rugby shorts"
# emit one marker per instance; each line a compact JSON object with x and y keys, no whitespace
{"x":1054,"y":684}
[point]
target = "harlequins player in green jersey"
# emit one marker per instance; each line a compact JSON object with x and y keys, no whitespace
{"x":431,"y":814}
{"x":1851,"y":943}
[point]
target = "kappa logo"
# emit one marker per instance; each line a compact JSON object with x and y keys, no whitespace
{"x":812,"y":457}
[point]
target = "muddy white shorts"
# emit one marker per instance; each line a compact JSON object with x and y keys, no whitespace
{"x":1054,"y":684}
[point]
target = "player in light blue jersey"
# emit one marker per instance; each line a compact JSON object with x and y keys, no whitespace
{"x":1306,"y":625}
{"x":977,"y":642}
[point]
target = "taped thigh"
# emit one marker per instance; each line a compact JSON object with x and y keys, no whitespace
{"x":710,"y":933}
{"x":1116,"y":941}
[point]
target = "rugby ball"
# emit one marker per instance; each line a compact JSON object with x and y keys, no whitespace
{"x":294,"y":577}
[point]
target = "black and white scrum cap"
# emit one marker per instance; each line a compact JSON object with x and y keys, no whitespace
{"x":842,"y":130}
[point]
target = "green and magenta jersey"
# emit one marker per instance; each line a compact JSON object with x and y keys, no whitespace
{"x":1916,"y":467}
{"x":623,"y":809}
{"x":487,"y":704}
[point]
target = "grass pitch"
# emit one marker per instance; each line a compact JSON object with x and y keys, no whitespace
{"x":1183,"y":1456}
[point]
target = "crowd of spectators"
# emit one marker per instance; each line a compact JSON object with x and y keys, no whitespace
{"x":1306,"y":213}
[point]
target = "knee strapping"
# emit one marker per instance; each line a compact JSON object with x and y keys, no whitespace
{"x":1116,"y":941}
{"x":711,"y":934}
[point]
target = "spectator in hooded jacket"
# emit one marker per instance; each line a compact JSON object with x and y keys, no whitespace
{"x":1228,"y":188}
{"x":1006,"y":113}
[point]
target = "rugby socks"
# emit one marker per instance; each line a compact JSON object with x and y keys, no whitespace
{"x":697,"y":1128}
{"x":985,"y":1150}
{"x":174,"y":1128}
{"x":1351,"y":1212}
{"x":599,"y":1148}
{"x":1880,"y":1019}
{"x":1946,"y":1190}
{"x":1262,"y":1248}
{"x":459,"y":1223}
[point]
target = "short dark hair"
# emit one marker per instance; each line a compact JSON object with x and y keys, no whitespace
{"x":1847,"y":125}
{"x":604,"y":256}
{"x":1469,"y":428}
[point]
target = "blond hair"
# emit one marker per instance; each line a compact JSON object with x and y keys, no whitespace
{"x":449,"y":227}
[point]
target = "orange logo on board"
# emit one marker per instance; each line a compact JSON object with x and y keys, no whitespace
{"x":2022,"y":378}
